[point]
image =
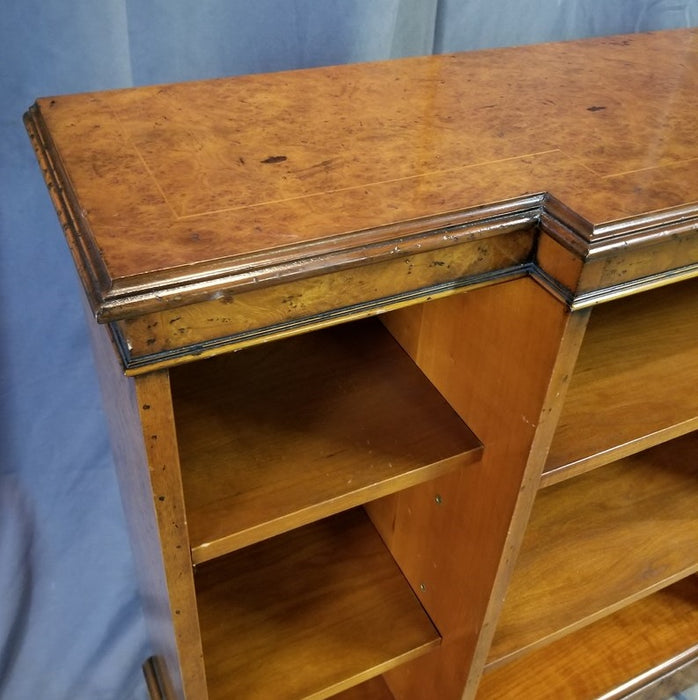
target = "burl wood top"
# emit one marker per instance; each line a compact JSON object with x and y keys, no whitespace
{"x":179,"y":183}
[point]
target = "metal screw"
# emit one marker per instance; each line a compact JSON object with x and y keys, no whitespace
{"x":422,"y":587}
{"x":438,"y":499}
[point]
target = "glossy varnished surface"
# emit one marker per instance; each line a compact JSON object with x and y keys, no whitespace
{"x":178,"y":181}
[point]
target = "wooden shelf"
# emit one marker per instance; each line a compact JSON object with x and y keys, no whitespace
{"x":307,"y":614}
{"x":283,"y":434}
{"x":374,"y":689}
{"x":626,"y":393}
{"x":628,"y":650}
{"x":600,"y":541}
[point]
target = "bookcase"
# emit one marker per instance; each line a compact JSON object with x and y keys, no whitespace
{"x":401,"y":385}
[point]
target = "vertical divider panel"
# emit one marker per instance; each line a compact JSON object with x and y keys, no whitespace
{"x":142,"y":432}
{"x":502,"y":356}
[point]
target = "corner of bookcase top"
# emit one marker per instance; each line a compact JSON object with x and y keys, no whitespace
{"x":93,"y":276}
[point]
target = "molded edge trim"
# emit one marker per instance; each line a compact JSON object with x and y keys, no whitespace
{"x":146,"y":363}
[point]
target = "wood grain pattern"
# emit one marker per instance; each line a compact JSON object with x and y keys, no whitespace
{"x":409,"y":275}
{"x":623,"y":395}
{"x":307,"y":614}
{"x":140,"y":167}
{"x":277,"y":436}
{"x":142,"y":431}
{"x":600,"y":541}
{"x":453,"y":537}
{"x":627,"y":651}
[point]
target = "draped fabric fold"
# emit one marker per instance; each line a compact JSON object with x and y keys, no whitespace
{"x":71,"y":626}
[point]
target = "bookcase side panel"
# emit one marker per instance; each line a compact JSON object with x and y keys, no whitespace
{"x":141,"y":427}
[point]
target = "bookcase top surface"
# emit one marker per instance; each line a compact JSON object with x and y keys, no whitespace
{"x":157,"y":182}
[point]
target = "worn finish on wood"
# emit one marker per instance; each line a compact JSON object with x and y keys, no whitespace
{"x":597,"y":542}
{"x":623,"y":396}
{"x":142,"y":431}
{"x":277,"y":436}
{"x":628,"y":650}
{"x":269,"y":632}
{"x":234,"y":320}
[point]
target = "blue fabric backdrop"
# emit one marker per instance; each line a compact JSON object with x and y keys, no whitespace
{"x":70,"y":618}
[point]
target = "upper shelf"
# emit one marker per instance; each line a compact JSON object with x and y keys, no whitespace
{"x":178,"y":193}
{"x":286,"y":433}
{"x":632,"y":385}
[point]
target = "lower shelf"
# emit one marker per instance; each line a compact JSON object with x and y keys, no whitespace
{"x":629,"y":650}
{"x":308,"y":614}
{"x":597,"y":543}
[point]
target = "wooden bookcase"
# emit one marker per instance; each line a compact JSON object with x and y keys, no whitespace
{"x":400,"y":366}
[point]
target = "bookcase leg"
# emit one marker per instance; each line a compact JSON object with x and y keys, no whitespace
{"x":156,"y":679}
